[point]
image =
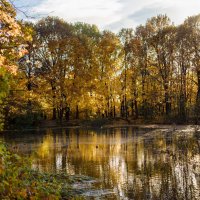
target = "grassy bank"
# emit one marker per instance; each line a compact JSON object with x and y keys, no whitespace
{"x":19,"y":181}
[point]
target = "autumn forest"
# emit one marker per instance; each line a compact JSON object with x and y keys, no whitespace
{"x":88,"y":113}
{"x":57,"y":70}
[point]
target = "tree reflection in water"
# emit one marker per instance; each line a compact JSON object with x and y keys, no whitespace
{"x":134,"y":163}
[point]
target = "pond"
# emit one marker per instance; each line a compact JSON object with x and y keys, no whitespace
{"x":124,"y":163}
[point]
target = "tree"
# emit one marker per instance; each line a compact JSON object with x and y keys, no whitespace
{"x":109,"y":56}
{"x":126,"y":36}
{"x":183,"y":57}
{"x":192,"y":24}
{"x":85,"y":69}
{"x":13,"y":37}
{"x":162,"y":36}
{"x":54,"y":37}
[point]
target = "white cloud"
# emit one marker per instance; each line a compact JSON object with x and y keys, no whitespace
{"x":115,"y":14}
{"x":137,"y":12}
{"x":100,"y":12}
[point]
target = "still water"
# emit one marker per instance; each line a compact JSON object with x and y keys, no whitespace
{"x":125,"y":163}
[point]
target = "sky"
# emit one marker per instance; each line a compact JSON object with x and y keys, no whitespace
{"x":110,"y":14}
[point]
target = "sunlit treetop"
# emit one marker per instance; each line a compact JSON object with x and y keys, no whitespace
{"x":12,"y":38}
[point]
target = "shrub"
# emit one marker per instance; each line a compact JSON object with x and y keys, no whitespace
{"x":19,"y":181}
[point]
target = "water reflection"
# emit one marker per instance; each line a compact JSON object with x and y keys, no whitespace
{"x":134,"y":163}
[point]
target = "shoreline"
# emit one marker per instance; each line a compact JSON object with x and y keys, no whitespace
{"x":112,"y":124}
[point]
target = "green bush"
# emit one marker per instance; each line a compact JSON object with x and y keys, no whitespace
{"x":23,"y":121}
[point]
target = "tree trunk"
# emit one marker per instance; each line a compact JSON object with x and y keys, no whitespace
{"x":125,"y":88}
{"x":67,"y":114}
{"x":54,"y":100}
{"x":198,"y":88}
{"x":167,"y":103}
{"x":167,"y":99}
{"x":77,"y":112}
{"x":60,"y":114}
{"x":143,"y":94}
{"x":108,"y":107}
{"x":132,"y":108}
{"x":136,"y":109}
{"x":198,"y":97}
{"x":126,"y":106}
{"x":182,"y":101}
{"x":54,"y":113}
{"x":122,"y":107}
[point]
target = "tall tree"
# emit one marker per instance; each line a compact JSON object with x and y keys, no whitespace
{"x":53,"y":53}
{"x":125,"y":36}
{"x":13,"y":37}
{"x":183,"y":57}
{"x":193,"y":26}
{"x":162,"y":36}
{"x":109,"y":54}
